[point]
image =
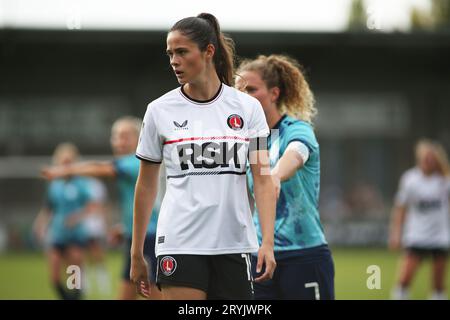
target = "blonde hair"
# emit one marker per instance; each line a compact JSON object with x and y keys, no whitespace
{"x":134,"y":122}
{"x":439,"y":154}
{"x":63,"y":148}
{"x":296,"y":98}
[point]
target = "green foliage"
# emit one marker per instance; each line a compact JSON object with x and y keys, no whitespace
{"x":358,"y":17}
{"x":438,"y":18}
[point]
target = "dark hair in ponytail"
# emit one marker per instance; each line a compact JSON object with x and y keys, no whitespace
{"x":204,"y":30}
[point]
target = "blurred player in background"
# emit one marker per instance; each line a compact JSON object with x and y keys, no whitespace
{"x":203,"y":131}
{"x":305,"y":268}
{"x":420,"y":220}
{"x":60,"y":222}
{"x":125,"y":168}
{"x":96,"y":227}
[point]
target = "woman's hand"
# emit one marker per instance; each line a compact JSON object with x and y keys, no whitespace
{"x":116,"y":235}
{"x":40,"y":225}
{"x":266,"y":258}
{"x":73,"y":220}
{"x":395,"y":232}
{"x":54,"y":172}
{"x":40,"y":233}
{"x":139,"y":275}
{"x":395,"y":242}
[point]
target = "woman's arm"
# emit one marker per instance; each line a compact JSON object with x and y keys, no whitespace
{"x":265,"y":199}
{"x":41,"y":222}
{"x":144,"y":199}
{"x":396,"y":227}
{"x":285,"y":168}
{"x":91,"y":168}
{"x":287,"y":165}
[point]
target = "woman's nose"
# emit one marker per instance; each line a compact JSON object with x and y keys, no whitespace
{"x":174,"y":61}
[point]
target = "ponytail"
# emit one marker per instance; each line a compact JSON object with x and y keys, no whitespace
{"x":296,"y":98}
{"x":204,"y":30}
{"x":224,"y":56}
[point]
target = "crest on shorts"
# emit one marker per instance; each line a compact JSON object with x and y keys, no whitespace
{"x":168,"y":265}
{"x":235,"y":122}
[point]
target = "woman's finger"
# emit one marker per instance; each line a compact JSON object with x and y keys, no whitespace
{"x":144,"y":289}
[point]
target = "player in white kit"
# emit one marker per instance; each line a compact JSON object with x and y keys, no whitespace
{"x":420,"y":222}
{"x":204,"y":131}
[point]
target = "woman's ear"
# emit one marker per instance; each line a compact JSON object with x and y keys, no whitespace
{"x":274,"y":94}
{"x":210,"y":50}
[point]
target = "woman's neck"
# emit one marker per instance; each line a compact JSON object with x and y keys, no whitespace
{"x":203,"y":89}
{"x":428,"y":172}
{"x":273,"y":116}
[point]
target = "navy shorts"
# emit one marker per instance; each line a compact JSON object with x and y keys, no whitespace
{"x":62,"y":246}
{"x":306,"y":274}
{"x":149,"y":255}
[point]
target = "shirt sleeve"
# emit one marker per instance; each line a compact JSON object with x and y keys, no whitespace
{"x":119,"y":167}
{"x":258,"y":130}
{"x":303,"y":133}
{"x":127,"y":167}
{"x":300,"y":148}
{"x":403,"y":195}
{"x":257,"y":124}
{"x":149,"y":147}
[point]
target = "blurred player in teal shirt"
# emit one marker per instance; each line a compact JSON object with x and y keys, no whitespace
{"x":305,"y":268}
{"x":60,"y":222}
{"x":125,"y":168}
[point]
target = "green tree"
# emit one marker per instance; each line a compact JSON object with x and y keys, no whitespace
{"x":358,"y":17}
{"x":440,"y":11}
{"x":437,"y":18}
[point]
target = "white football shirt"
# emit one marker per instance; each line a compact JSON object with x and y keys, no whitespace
{"x":204,"y":146}
{"x":427,"y":217}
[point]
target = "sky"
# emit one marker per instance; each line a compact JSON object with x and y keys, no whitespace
{"x":246,"y":15}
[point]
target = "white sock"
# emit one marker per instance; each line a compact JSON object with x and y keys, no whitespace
{"x":86,"y":280}
{"x":438,"y":295}
{"x":400,"y":293}
{"x":103,"y":280}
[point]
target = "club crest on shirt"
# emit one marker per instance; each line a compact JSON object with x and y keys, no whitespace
{"x":168,"y":265}
{"x":235,"y":122}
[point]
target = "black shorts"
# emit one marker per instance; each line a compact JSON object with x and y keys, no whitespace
{"x":149,"y":255}
{"x":426,"y":252}
{"x":226,"y":276}
{"x":62,"y":247}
